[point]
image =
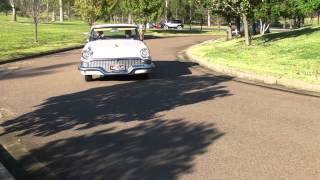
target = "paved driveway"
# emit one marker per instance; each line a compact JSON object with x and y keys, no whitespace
{"x":183,"y":123}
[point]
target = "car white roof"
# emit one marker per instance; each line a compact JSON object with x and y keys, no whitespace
{"x":113,"y":25}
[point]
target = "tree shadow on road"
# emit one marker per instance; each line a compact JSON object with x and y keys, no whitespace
{"x":32,"y":72}
{"x":155,"y":148}
{"x":158,"y":149}
{"x":140,"y":100}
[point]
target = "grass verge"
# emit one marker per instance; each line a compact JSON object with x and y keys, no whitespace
{"x":293,"y":55}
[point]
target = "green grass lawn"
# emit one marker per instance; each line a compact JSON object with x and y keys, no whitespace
{"x":17,"y":38}
{"x":292,"y":55}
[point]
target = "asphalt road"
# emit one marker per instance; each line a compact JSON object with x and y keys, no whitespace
{"x":182,"y":123}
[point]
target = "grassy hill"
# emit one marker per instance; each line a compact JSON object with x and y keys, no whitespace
{"x":17,"y":38}
{"x":292,"y":55}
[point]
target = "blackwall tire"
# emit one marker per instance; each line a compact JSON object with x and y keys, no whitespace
{"x":88,"y":78}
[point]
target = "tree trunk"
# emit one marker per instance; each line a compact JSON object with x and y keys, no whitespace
{"x":238,"y":24}
{"x":129,"y":18}
{"x":69,"y":11}
{"x":291,"y":23}
{"x":261,"y":27}
{"x":246,"y":29}
{"x":190,"y":16}
{"x":47,"y":11}
{"x":14,"y":14}
{"x":209,"y":18}
{"x":229,"y":32}
{"x":218,"y":23}
{"x":285,"y":22}
{"x":90,"y":22}
{"x":61,"y":10}
{"x":53,"y":18}
{"x":318,"y":17}
{"x":35,"y":21}
{"x":177,"y":12}
{"x":254,"y":28}
{"x":201,"y":22}
{"x":166,"y":12}
{"x":298,"y":22}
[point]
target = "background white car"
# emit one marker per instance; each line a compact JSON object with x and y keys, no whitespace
{"x":177,"y":24}
{"x":115,"y":49}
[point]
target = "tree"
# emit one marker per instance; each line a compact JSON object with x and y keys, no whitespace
{"x":92,"y":10}
{"x":243,"y":8}
{"x":180,"y":9}
{"x":203,"y":8}
{"x":89,"y":10}
{"x":146,"y":10}
{"x":268,"y":11}
{"x":5,"y":7}
{"x":316,"y":8}
{"x":34,"y":8}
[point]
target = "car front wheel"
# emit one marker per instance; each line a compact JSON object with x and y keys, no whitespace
{"x":88,"y":78}
{"x":144,"y":76}
{"x":179,"y":27}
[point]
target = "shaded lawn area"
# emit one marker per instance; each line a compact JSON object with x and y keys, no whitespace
{"x":293,"y":55}
{"x":17,"y":38}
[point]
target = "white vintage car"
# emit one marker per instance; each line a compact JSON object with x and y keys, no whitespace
{"x":115,"y":49}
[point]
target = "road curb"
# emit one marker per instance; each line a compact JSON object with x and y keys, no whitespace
{"x":12,"y":151}
{"x":4,"y":173}
{"x":278,"y":83}
{"x":40,"y":54}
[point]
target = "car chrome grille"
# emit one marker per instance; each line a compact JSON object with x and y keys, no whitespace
{"x":106,"y":63}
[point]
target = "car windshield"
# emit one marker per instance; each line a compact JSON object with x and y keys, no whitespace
{"x":114,"y":33}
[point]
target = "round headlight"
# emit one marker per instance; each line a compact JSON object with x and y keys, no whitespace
{"x":145,"y":53}
{"x":85,"y":64}
{"x":87,"y":54}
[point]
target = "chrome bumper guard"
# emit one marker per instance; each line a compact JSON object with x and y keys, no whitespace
{"x":129,"y":71}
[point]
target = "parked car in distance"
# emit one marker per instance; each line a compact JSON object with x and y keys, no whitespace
{"x":253,"y":29}
{"x":158,"y":26}
{"x":176,"y":24}
{"x":115,"y":49}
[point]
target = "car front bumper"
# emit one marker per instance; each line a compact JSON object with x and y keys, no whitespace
{"x":134,"y":69}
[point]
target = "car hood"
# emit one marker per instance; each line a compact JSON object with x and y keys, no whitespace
{"x":115,"y":48}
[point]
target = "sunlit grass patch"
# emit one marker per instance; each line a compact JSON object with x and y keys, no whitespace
{"x":292,"y":55}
